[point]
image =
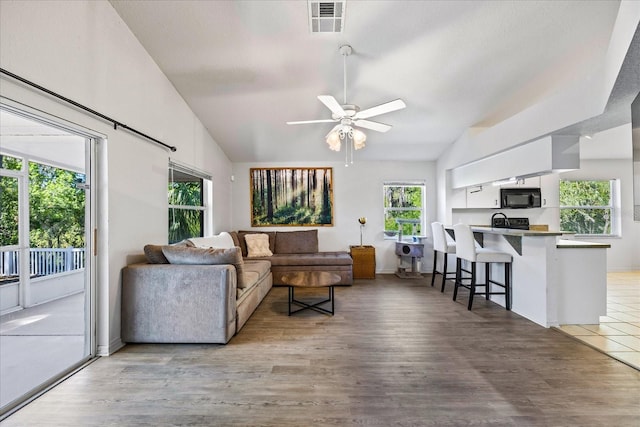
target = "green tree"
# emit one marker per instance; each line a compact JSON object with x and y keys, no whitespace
{"x":402,"y":202}
{"x":56,"y":207}
{"x":8,"y":211}
{"x":185,"y":223}
{"x":585,"y":206}
{"x":9,"y":202}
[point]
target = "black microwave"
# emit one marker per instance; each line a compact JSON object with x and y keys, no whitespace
{"x":520,"y":198}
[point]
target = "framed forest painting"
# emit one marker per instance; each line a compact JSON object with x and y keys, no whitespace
{"x":291,"y":196}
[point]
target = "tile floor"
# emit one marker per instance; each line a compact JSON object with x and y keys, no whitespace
{"x":618,"y":333}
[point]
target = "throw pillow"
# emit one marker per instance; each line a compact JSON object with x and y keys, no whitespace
{"x":222,"y":240}
{"x":297,"y":242}
{"x":207,"y":256}
{"x":243,"y":242}
{"x":154,"y":254}
{"x":257,"y":245}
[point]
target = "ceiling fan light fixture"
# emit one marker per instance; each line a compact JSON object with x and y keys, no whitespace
{"x":333,"y":140}
{"x":359,"y":138}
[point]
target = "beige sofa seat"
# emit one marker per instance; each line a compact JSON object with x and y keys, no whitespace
{"x":258,"y":274}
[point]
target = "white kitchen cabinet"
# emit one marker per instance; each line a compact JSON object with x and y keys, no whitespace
{"x":483,"y":196}
{"x":550,"y":189}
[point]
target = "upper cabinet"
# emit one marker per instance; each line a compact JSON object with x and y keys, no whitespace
{"x":483,"y":196}
{"x":550,"y":189}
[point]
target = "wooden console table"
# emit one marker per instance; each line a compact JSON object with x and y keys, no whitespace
{"x":364,"y":262}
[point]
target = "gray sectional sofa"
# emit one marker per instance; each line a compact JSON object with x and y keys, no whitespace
{"x":205,"y":295}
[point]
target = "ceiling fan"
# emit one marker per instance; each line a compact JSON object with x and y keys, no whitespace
{"x":349,"y":115}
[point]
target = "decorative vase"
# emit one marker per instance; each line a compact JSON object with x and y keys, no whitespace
{"x":362,"y":220}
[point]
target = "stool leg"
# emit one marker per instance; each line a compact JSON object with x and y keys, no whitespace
{"x":472,"y":288}
{"x":507,"y":285}
{"x":487,"y":277}
{"x":433,"y":273}
{"x":444,"y":271}
{"x":458,"y":277}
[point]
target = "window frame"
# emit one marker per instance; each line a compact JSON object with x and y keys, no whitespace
{"x":206,"y":198}
{"x":408,"y":183}
{"x":613,"y":206}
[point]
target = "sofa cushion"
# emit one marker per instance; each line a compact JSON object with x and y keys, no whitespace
{"x":236,"y":240}
{"x":221,"y":241}
{"x":209,"y":256}
{"x":320,"y":258}
{"x":254,"y":272}
{"x":260,"y":267}
{"x":296,"y":242}
{"x":243,"y":243}
{"x":154,"y":254}
{"x":257,"y":245}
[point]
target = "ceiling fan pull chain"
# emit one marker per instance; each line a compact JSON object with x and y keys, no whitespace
{"x":344,"y":66}
{"x":346,"y":153}
{"x":351,"y":148}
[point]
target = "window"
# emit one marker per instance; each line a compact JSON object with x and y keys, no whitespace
{"x":403,"y":208}
{"x":589,"y":208}
{"x":189,"y":203}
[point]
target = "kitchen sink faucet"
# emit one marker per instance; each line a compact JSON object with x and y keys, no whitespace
{"x":506,"y":220}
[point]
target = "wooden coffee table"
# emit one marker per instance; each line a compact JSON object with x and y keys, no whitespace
{"x":311,"y":279}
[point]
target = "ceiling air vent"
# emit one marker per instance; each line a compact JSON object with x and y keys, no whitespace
{"x":326,"y":16}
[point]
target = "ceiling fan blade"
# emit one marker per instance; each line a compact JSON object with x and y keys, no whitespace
{"x":368,"y":124}
{"x":303,"y":122}
{"x":387,"y":107}
{"x":332,"y":104}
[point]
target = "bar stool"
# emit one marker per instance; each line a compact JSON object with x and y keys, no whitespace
{"x":441,"y":244}
{"x":466,"y":250}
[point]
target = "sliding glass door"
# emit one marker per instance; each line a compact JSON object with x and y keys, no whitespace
{"x":46,"y":219}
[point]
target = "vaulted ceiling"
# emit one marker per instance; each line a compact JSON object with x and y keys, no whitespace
{"x":247,"y":67}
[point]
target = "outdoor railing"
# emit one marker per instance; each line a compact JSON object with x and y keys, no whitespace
{"x":43,"y":261}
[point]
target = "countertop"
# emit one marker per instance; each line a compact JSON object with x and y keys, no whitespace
{"x":579,"y":244}
{"x":561,"y":243}
{"x":516,"y":232}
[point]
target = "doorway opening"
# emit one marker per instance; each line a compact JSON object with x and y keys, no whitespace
{"x":47,"y":214}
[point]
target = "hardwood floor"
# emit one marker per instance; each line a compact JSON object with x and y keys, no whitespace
{"x":397,"y":352}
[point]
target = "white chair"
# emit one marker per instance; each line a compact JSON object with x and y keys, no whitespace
{"x":466,"y":250}
{"x":441,"y":244}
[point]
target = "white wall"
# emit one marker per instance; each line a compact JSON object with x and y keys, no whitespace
{"x":357,"y":193}
{"x":84,"y":51}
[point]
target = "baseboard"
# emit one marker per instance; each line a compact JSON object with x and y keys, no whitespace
{"x":386,"y":271}
{"x":115,"y":345}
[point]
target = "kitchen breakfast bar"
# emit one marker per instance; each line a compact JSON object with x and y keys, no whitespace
{"x":555,"y":281}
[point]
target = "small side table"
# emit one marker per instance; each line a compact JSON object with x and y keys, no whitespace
{"x":364,"y":262}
